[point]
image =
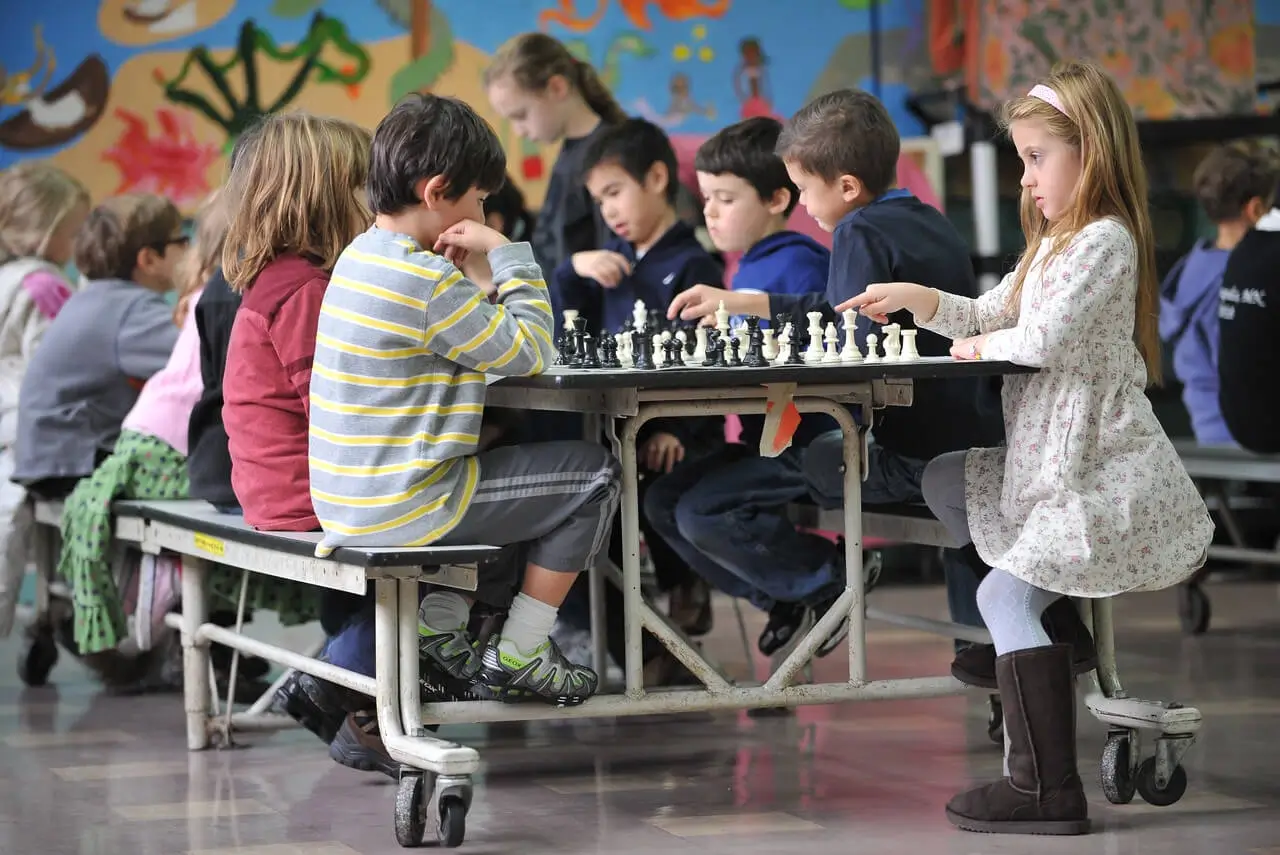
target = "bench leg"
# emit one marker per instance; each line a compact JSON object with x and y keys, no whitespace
{"x":195,"y":654}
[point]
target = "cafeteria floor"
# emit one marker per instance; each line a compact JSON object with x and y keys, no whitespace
{"x":87,"y":773}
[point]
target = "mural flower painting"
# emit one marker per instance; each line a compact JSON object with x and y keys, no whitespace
{"x":171,"y":163}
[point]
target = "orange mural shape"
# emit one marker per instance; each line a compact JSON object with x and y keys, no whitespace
{"x":566,"y":13}
{"x":172,"y":163}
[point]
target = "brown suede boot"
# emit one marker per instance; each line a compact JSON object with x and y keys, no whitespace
{"x":976,"y":665}
{"x":1043,"y":793}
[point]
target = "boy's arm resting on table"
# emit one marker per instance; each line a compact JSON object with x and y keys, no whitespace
{"x":1091,"y":272}
{"x":509,"y":338}
{"x":293,"y":335}
{"x":146,"y":337}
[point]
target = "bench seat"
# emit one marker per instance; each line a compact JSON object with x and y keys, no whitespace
{"x":1228,"y":464}
{"x":900,"y":523}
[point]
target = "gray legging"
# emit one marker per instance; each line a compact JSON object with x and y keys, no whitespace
{"x":1010,"y":607}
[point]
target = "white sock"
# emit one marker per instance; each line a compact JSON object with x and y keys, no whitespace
{"x":443,"y":611}
{"x":528,"y":625}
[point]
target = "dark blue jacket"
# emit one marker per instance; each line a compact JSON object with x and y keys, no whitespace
{"x":673,"y":264}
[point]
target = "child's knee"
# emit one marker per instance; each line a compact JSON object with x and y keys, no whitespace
{"x":942,"y":477}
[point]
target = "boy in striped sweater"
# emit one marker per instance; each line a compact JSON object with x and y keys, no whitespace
{"x":398,"y":391}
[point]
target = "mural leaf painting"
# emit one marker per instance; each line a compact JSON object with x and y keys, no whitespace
{"x":171,"y":163}
{"x":431,"y":43}
{"x":237,"y":114}
{"x":293,"y":8}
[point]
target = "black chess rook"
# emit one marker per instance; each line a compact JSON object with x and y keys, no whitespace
{"x":642,"y":347}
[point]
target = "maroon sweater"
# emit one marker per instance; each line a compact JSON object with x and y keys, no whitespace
{"x":266,"y":391}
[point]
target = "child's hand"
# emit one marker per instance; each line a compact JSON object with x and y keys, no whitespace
{"x":605,"y":266}
{"x":699,"y":303}
{"x":661,"y":452}
{"x":465,"y":237}
{"x":882,"y":299}
{"x":969,"y":348}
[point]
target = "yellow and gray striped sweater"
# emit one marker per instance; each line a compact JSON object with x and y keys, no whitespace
{"x":398,"y":386}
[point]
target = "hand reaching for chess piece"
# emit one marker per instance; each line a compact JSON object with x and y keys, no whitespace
{"x":700,"y":302}
{"x":882,"y":299}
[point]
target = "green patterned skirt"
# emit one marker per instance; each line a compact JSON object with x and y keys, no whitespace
{"x":144,"y":467}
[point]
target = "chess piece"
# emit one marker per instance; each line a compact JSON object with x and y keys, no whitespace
{"x":850,"y":354}
{"x":709,"y":352}
{"x":768,"y":345}
{"x":909,"y":352}
{"x":653,"y":321}
{"x":795,"y":355}
{"x":638,"y":316}
{"x":813,"y":353}
{"x":699,"y":344}
{"x":570,"y":315}
{"x":892,"y":342}
{"x":590,"y":356}
{"x":673,"y":354}
{"x":734,"y":351}
{"x":831,"y":340}
{"x":621,"y":341}
{"x":872,"y":341}
{"x":656,"y":350}
{"x":718,"y":358}
{"x":784,"y":344}
{"x":609,"y":353}
{"x":722,"y":320}
{"x":643,"y":355}
{"x":755,"y":356}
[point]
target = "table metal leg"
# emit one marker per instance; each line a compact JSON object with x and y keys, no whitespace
{"x":631,"y":591}
{"x":195,"y":654}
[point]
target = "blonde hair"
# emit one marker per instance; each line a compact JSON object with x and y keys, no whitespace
{"x":205,"y":255}
{"x":532,"y":59}
{"x":108,"y":243}
{"x":1096,"y":121}
{"x":295,"y":188}
{"x":34,"y":199}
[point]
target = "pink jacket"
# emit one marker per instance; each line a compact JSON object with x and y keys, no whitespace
{"x":163,"y":409}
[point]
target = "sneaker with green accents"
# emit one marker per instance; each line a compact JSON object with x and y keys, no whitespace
{"x":543,"y":675}
{"x":455,"y":657}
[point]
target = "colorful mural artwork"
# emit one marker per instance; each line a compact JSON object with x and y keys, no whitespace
{"x":150,"y":94}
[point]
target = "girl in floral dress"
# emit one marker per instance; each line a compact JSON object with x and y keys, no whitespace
{"x":1089,"y":499}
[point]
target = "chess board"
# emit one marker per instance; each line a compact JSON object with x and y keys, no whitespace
{"x":699,"y":377}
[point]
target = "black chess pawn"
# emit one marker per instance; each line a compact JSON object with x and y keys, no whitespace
{"x":642,"y":348}
{"x":754,"y":357}
{"x":735,"y":344}
{"x":718,"y":358}
{"x":590,"y":355}
{"x":563,"y":345}
{"x":609,"y":353}
{"x":796,"y":356}
{"x":671,"y":354}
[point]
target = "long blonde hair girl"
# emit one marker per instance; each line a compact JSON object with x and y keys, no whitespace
{"x":34,"y":200}
{"x":532,"y":59}
{"x":205,"y":255}
{"x":1096,"y":121}
{"x":297,"y":187}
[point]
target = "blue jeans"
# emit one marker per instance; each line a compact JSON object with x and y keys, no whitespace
{"x":353,"y":646}
{"x":726,"y":515}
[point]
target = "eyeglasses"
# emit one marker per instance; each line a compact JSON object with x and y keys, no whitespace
{"x":180,"y":240}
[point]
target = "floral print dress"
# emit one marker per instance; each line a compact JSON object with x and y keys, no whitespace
{"x":1089,"y":499}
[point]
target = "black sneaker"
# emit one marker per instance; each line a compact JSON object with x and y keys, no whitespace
{"x":787,"y":621}
{"x":545,"y":675}
{"x":359,"y":745}
{"x":305,"y":700}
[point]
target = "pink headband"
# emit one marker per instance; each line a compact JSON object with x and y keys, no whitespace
{"x":1047,"y":95}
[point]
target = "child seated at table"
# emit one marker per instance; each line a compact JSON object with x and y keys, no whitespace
{"x":630,"y":171}
{"x":1233,"y":185}
{"x":398,"y":392}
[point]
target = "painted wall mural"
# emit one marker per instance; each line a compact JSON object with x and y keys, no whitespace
{"x":151,"y":94}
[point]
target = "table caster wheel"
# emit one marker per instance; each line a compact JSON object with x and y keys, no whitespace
{"x":995,"y":721}
{"x":38,"y":656}
{"x":1152,"y":793}
{"x":1193,"y":609}
{"x":452,"y":827}
{"x":412,"y":797}
{"x":1115,"y":772}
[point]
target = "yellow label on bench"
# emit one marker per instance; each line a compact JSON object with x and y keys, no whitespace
{"x":211,"y":545}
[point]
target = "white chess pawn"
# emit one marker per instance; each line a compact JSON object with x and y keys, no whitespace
{"x":570,"y":315}
{"x":699,"y":345}
{"x":722,"y":321}
{"x":659,"y":357}
{"x":784,"y":346}
{"x":872,"y":341}
{"x":832,"y":339}
{"x":813,"y":353}
{"x":909,"y":352}
{"x":639,"y":316}
{"x":769,"y":348}
{"x":850,"y":353}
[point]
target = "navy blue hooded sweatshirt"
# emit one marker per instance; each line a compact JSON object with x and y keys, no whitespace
{"x":1189,"y":327}
{"x":675,"y":263}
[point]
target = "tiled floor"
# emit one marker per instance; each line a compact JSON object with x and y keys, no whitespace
{"x":94,"y":775}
